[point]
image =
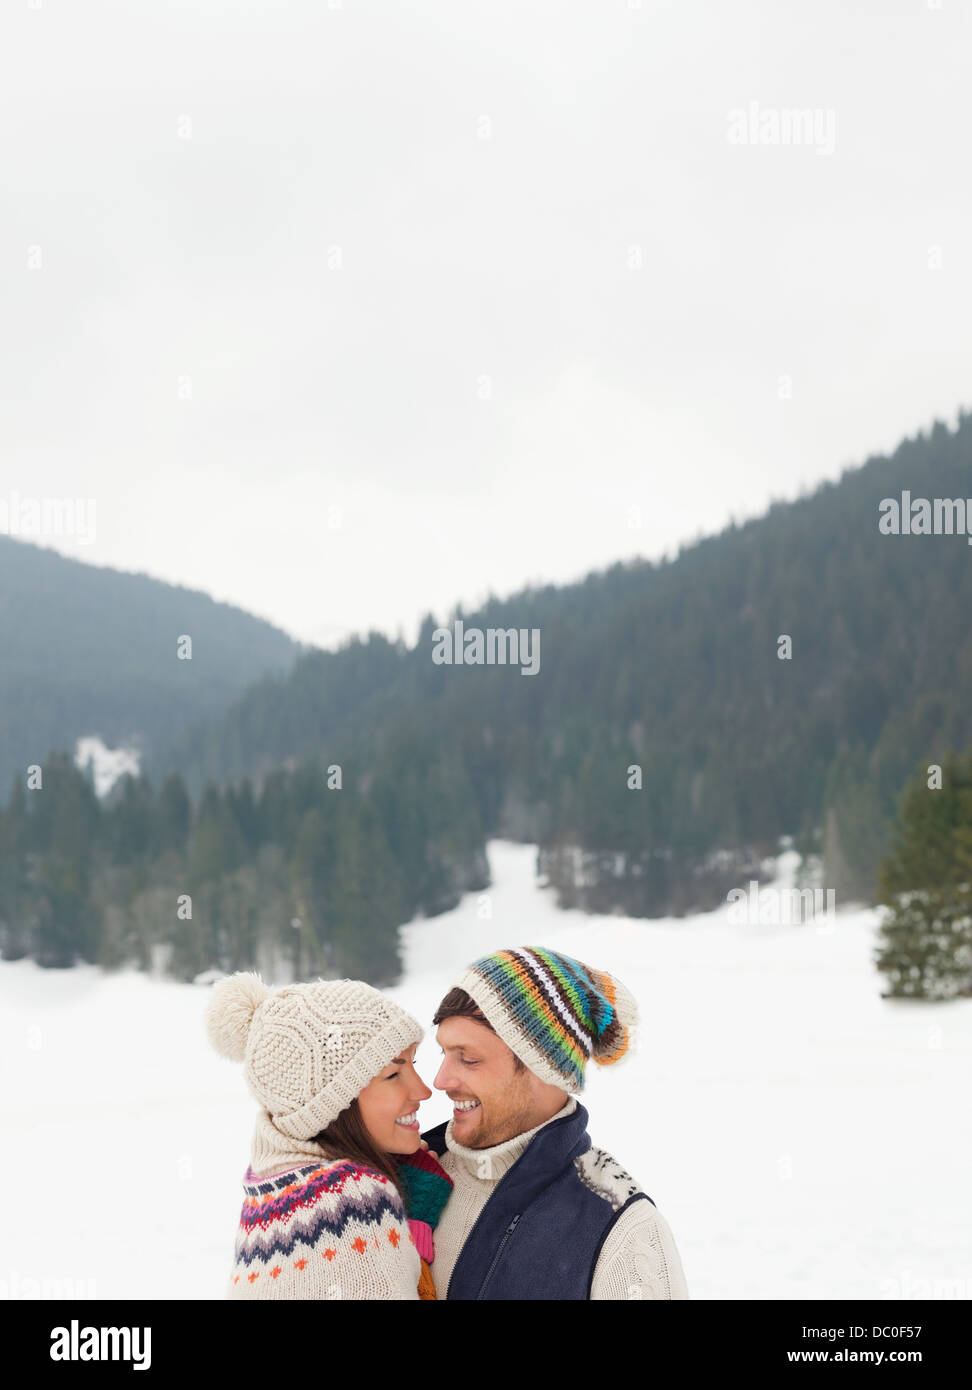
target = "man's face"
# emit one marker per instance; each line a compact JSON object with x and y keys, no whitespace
{"x":477,"y":1071}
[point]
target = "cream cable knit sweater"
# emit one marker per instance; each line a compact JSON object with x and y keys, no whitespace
{"x":319,"y":1228}
{"x":639,"y":1259}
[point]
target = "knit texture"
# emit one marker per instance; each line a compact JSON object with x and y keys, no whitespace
{"x":427,"y":1185}
{"x":310,"y":1223}
{"x":639,"y":1258}
{"x":307,"y":1049}
{"x":426,"y":1288}
{"x":427,"y":1189}
{"x":555,"y":1013}
{"x":332,"y":1231}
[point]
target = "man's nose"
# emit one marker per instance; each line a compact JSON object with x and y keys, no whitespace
{"x":442,"y":1080}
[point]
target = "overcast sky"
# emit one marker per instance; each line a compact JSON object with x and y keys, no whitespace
{"x":346,"y":312}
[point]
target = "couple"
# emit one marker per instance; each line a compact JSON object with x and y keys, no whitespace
{"x":509,"y":1199}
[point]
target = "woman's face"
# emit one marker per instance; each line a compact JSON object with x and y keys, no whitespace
{"x":389,"y":1105}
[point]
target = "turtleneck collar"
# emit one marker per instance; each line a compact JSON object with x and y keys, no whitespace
{"x":490,"y":1164}
{"x":274,"y":1152}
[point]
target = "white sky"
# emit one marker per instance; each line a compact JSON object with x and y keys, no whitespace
{"x":484,"y":169}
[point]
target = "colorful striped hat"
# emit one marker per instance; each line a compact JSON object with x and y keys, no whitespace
{"x":553,"y":1011}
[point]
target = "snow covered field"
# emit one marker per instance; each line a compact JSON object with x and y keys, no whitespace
{"x":803,"y":1137}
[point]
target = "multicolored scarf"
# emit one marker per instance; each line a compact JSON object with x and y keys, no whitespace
{"x":427,"y":1189}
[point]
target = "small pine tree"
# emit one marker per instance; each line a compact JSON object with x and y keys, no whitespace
{"x":925,"y":883}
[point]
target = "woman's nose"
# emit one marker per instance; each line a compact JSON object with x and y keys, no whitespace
{"x":422,"y":1090}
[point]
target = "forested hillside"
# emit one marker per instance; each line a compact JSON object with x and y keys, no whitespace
{"x":674,"y":667}
{"x":657,"y":755}
{"x":90,"y":650}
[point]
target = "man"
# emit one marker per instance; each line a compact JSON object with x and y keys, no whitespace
{"x":537,"y":1212}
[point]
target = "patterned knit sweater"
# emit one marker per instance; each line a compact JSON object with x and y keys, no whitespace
{"x":315,"y":1227}
{"x":639,"y":1259}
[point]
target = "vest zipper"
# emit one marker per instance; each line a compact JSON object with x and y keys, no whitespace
{"x":489,"y":1273}
{"x":479,"y":1219}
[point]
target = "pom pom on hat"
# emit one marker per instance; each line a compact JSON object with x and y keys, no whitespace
{"x":308,"y":1049}
{"x":615,"y":1038}
{"x":232,"y":1004}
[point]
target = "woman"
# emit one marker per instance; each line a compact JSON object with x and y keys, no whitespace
{"x":341,"y":1196}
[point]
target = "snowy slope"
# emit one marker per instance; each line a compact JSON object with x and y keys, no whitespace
{"x":803,"y":1137}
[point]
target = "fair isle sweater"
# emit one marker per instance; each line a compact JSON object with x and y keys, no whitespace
{"x":316,"y":1227}
{"x":639,"y":1259}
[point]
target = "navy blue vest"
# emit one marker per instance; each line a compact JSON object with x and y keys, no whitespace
{"x":541,"y":1231}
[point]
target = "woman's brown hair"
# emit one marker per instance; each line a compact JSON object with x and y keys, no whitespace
{"x":348,"y":1137}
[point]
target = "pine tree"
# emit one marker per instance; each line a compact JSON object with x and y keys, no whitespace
{"x":311,"y":871}
{"x":68,"y":822}
{"x":15,"y":911}
{"x":174,"y":814}
{"x":361,"y":908}
{"x":925,"y":883}
{"x":217,"y":845}
{"x":854,"y":827}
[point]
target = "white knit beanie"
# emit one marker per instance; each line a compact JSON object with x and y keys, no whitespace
{"x":308,"y":1049}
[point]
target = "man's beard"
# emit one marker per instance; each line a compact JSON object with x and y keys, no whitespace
{"x":488,"y":1133}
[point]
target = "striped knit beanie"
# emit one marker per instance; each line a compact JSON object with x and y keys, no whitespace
{"x":553,"y":1011}
{"x":308,"y":1049}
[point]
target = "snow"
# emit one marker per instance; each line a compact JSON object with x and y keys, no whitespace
{"x":107,"y":764}
{"x":804,"y":1138}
